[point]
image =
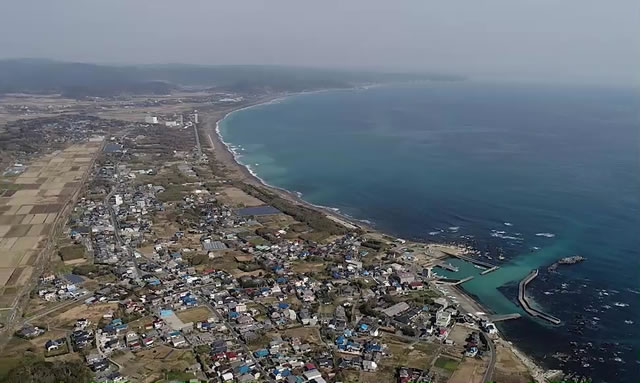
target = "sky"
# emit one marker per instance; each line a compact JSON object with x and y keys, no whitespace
{"x":591,"y":41}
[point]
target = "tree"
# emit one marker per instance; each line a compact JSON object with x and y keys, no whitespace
{"x":408,"y":331}
{"x":47,"y":372}
{"x":199,"y":259}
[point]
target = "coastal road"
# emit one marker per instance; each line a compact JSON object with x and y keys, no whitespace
{"x":213,"y":146}
{"x":488,"y":374}
{"x":468,"y":305}
{"x":195,"y":130}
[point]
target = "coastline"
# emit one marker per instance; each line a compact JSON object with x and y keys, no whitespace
{"x":228,"y":158}
{"x":225,"y":154}
{"x":538,"y":373}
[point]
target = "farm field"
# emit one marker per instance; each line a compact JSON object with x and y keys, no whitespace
{"x":30,"y":203}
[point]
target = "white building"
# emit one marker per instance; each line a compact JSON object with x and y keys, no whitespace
{"x":443,"y":318}
{"x":369,"y":365}
{"x":151,"y":120}
{"x":490,"y":328}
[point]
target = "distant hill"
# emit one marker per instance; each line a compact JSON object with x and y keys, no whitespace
{"x":80,"y":79}
{"x":73,"y":79}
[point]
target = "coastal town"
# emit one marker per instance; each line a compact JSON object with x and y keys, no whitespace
{"x":319,"y":192}
{"x":135,"y":249}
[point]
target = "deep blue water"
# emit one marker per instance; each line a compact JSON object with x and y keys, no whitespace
{"x":497,"y":166}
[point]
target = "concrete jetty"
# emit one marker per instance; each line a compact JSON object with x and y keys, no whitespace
{"x":447,"y":266}
{"x":454,"y":282}
{"x":448,"y":281}
{"x":490,"y":267}
{"x":503,"y":317}
{"x":522,"y":298}
{"x":487,"y":271}
{"x":463,"y":280}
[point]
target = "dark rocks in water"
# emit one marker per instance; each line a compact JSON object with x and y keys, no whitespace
{"x":566,"y":261}
{"x":561,"y":356}
{"x":571,"y":260}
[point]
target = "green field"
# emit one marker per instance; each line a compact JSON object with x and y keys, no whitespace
{"x":446,"y":363}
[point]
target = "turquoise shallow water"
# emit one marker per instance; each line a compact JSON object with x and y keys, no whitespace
{"x":529,"y":173}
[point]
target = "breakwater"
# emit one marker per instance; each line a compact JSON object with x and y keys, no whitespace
{"x":522,"y":298}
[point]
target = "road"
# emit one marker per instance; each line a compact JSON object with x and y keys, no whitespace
{"x":488,"y":374}
{"x":57,"y":307}
{"x":470,"y":306}
{"x":195,"y":129}
{"x":116,"y":224}
{"x":211,"y":142}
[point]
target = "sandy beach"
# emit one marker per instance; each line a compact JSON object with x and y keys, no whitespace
{"x":239,"y":172}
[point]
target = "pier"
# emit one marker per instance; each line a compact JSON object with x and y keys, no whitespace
{"x":447,"y":266}
{"x":500,"y":318}
{"x":454,"y":282}
{"x":463,"y":281}
{"x":490,"y":267}
{"x":487,"y":271}
{"x":522,"y":298}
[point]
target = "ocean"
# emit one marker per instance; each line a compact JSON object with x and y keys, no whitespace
{"x":527,"y":174}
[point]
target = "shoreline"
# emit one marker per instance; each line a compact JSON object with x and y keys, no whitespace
{"x":464,"y":298}
{"x":248,"y":175}
{"x":229,"y":159}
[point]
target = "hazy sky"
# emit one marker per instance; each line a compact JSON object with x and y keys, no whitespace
{"x":584,"y":40}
